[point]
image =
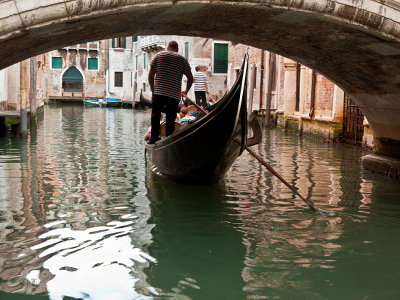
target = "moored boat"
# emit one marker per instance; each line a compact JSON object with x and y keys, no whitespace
{"x":92,"y":103}
{"x":112,"y":102}
{"x":202,"y":152}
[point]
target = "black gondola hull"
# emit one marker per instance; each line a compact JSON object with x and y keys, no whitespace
{"x":204,"y":151}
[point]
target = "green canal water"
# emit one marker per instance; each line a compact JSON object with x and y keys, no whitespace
{"x":82,"y":218}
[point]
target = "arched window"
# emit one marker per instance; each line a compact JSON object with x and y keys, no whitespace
{"x":72,"y":80}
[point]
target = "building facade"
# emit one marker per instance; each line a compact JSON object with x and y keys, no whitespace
{"x":210,"y":55}
{"x":76,"y":72}
{"x":119,"y":68}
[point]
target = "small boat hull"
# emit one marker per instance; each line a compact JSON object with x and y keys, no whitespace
{"x":112,"y":102}
{"x":92,"y":103}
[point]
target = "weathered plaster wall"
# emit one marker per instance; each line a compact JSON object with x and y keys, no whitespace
{"x":94,"y":81}
{"x":120,"y":60}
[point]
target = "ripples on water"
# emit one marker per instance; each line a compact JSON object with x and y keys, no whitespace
{"x":80,"y":217}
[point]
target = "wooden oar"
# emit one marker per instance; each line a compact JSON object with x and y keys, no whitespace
{"x":277,"y":175}
{"x":213,"y":100}
{"x":195,"y":104}
{"x":263,"y":162}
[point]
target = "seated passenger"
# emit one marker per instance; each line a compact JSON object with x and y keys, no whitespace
{"x":187,"y":117}
{"x":148,"y":133}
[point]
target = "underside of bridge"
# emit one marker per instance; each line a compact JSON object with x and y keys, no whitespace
{"x":356,"y":44}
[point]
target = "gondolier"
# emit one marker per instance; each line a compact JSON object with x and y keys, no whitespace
{"x":200,"y":87}
{"x":165,"y":79}
{"x":220,"y":133}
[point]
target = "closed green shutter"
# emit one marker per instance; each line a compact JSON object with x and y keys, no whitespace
{"x":72,"y":74}
{"x":93,"y":64}
{"x":113,"y":43}
{"x":134,"y":39}
{"x":144,"y":61}
{"x":187,"y":50}
{"x":72,"y":80}
{"x":220,"y":58}
{"x":56,"y":63}
{"x":124,"y":42}
{"x":137,"y":58}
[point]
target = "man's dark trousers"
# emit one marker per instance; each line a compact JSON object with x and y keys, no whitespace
{"x":200,"y":97}
{"x":167,"y":105}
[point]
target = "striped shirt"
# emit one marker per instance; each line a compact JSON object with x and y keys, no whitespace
{"x":199,"y":80}
{"x":169,"y":67}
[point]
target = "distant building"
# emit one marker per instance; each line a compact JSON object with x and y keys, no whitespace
{"x":211,"y":56}
{"x":76,"y":72}
{"x":30,"y":73}
{"x":119,"y":68}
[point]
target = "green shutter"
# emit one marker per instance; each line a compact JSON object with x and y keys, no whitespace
{"x":144,"y":61}
{"x":56,"y":63}
{"x":187,"y":50}
{"x":93,"y":64}
{"x":73,"y":74}
{"x":134,"y":39}
{"x":124,"y":42}
{"x":113,"y":43}
{"x":136,"y":62}
{"x":220,"y":58}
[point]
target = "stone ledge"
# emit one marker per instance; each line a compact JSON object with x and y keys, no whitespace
{"x":386,"y":165}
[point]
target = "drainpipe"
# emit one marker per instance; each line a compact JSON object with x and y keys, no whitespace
{"x":23,"y":96}
{"x":107,"y":68}
{"x":312,"y":104}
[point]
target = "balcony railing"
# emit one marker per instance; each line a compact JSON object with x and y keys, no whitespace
{"x":85,"y":46}
{"x":151,"y":42}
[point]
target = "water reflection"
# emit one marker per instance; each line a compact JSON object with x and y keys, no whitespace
{"x":81,"y":217}
{"x":293,"y":253}
{"x":76,"y":212}
{"x":199,"y":252}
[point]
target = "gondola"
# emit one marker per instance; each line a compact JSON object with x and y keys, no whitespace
{"x":202,"y":152}
{"x":144,"y":101}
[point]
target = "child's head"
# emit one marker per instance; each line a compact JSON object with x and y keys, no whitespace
{"x":184,"y":110}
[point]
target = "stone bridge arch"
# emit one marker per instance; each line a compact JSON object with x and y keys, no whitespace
{"x":355,"y":43}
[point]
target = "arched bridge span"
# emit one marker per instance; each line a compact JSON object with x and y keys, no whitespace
{"x":354,"y":43}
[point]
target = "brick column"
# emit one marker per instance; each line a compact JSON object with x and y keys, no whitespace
{"x":337,"y":105}
{"x":289,"y":86}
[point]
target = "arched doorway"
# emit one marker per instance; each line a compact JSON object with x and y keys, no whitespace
{"x":72,"y":83}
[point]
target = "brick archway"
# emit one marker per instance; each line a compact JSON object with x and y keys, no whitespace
{"x":356,"y":44}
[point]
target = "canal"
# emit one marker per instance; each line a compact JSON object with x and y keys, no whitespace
{"x":82,"y":218}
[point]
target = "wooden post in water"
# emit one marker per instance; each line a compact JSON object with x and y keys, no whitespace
{"x":23,"y":67}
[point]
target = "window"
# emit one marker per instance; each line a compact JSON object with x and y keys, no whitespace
{"x":134,"y":39}
{"x":72,"y":80}
{"x":119,"y":42}
{"x":93,"y":64}
{"x":144,"y":87}
{"x":144,"y":61}
{"x":187,"y":50}
{"x":220,"y":58}
{"x":118,"y":79}
{"x":56,"y":63}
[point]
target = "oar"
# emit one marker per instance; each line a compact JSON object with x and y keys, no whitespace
{"x":213,"y":100}
{"x":264,"y":163}
{"x":277,"y":175}
{"x":195,"y":104}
